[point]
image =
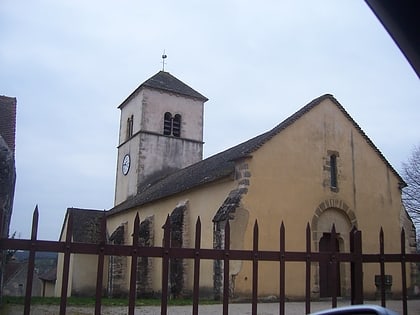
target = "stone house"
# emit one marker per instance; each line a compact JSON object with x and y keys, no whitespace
{"x":7,"y":169}
{"x":15,"y":280}
{"x":7,"y":159}
{"x":316,"y":167}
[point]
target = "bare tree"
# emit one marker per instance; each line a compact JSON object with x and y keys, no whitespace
{"x":411,"y":193}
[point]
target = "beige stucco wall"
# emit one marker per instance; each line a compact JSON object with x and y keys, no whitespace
{"x":290,"y":182}
{"x":49,"y":288}
{"x":202,"y":202}
{"x":82,"y":272}
{"x":60,"y":264}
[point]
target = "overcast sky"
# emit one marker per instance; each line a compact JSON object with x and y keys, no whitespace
{"x":71,"y":63}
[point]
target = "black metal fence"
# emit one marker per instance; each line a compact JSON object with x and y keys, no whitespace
{"x":355,"y":257}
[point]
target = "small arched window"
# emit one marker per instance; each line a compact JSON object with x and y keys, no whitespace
{"x":167,"y":124}
{"x":176,"y":126}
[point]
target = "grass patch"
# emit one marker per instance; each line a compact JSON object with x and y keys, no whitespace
{"x":86,"y":301}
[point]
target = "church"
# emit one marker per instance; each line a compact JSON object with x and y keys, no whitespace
{"x":317,"y":167}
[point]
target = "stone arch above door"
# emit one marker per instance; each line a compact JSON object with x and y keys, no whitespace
{"x":330,"y":205}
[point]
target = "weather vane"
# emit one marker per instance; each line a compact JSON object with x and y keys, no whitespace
{"x":163,"y":60}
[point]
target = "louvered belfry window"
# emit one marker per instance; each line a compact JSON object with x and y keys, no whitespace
{"x":167,"y":124}
{"x":176,"y":125}
{"x":172,"y":125}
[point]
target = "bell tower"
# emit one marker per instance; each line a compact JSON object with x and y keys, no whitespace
{"x":161,"y":130}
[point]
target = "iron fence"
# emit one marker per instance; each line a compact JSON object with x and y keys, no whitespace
{"x":355,"y":257}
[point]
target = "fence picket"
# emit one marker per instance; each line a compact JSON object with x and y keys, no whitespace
{"x":403,"y":273}
{"x":382,"y":266}
{"x":282,"y":295}
{"x":255,"y":269}
{"x":197,"y":266}
{"x":100,"y":272}
{"x":133,"y":271}
{"x":165,"y":266}
{"x":226,"y":279}
{"x":334,"y":284}
{"x":31,"y":263}
{"x":308,"y":270}
{"x":66,"y":265}
{"x":356,"y":267}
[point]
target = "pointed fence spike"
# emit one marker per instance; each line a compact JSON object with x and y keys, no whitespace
{"x":69,"y":232}
{"x":381,"y":235}
{"x":136,"y":229}
{"x":35,"y":224}
{"x":403,"y":241}
{"x":255,"y":236}
{"x":227,"y":235}
{"x":308,"y":237}
{"x":136,"y":220}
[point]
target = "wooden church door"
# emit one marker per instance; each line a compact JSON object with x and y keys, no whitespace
{"x":325,"y":269}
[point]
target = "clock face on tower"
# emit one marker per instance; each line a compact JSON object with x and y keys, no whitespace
{"x":125,"y":167}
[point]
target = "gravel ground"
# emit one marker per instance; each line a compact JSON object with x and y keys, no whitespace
{"x":292,"y":308}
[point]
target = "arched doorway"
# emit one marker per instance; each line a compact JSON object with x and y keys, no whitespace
{"x":332,"y":212}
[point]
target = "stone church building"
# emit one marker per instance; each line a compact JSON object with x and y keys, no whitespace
{"x":316,"y":167}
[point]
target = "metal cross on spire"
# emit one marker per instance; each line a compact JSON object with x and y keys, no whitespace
{"x":163,"y":60}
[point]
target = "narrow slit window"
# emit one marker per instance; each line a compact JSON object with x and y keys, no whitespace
{"x":167,"y":124}
{"x":129,"y":127}
{"x":333,"y":170}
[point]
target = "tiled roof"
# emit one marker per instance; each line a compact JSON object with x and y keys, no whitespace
{"x":166,"y":82}
{"x":50,"y":275}
{"x":8,"y":121}
{"x":223,"y":164}
{"x":86,"y":225}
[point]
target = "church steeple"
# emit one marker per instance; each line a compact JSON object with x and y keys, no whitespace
{"x":161,"y":130}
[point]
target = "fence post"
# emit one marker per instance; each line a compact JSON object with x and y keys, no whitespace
{"x":333,"y":260}
{"x":100,"y":272}
{"x":3,"y":257}
{"x":382,"y":266}
{"x":226,"y":270}
{"x":282,"y":279}
{"x":255,"y":269}
{"x":31,"y":263}
{"x":66,"y":264}
{"x":165,"y":265}
{"x":133,"y":272}
{"x":197,"y":266}
{"x":308,"y":270}
{"x":356,"y":267}
{"x":403,"y":273}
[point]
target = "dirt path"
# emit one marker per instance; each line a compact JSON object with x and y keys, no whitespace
{"x":292,"y":308}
